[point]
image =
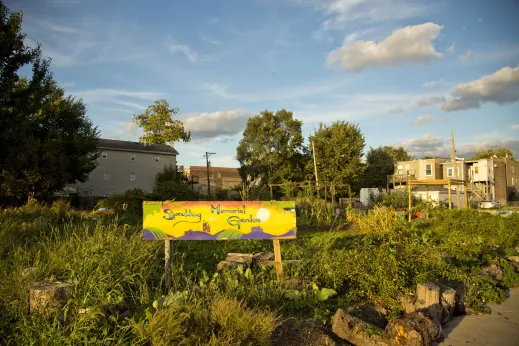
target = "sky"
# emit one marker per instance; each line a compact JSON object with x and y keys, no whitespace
{"x":408,"y":72}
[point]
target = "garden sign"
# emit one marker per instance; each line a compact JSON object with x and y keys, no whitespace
{"x":219,"y":220}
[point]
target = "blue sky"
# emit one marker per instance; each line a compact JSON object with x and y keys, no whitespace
{"x":408,"y":72}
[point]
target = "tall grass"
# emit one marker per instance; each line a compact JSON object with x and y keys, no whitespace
{"x":119,"y":297}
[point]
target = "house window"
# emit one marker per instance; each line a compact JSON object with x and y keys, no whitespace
{"x":476,"y":169}
{"x":132,"y":157}
{"x":107,"y":176}
{"x":104,"y":155}
{"x":132,"y":176}
{"x":450,"y":172}
{"x":156,"y":159}
{"x":428,"y":169}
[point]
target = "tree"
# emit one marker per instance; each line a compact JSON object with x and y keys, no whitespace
{"x":338,"y":150}
{"x":46,"y":141}
{"x":499,"y":152}
{"x":272,"y":150}
{"x":159,"y":126}
{"x":381,"y":163}
{"x":171,"y":184}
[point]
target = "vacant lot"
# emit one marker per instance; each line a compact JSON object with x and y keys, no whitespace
{"x":119,"y":296}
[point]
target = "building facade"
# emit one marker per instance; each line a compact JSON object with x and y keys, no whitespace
{"x":124,"y":165}
{"x":220,"y":178}
{"x":420,"y":169}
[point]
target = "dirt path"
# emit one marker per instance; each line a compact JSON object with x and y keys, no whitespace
{"x":501,"y":327}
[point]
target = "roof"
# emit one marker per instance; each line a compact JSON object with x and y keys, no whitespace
{"x":113,"y":144}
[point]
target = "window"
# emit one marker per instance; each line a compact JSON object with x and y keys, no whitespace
{"x":450,"y":172}
{"x":132,"y":176}
{"x":156,"y":159}
{"x":476,"y":169}
{"x":428,"y":169}
{"x":132,"y":157}
{"x":399,"y":170}
{"x":107,"y":176}
{"x":104,"y":155}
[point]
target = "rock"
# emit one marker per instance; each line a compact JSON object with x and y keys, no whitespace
{"x":273,"y":263}
{"x":414,"y":330}
{"x":240,"y":258}
{"x":262,"y":257}
{"x":356,"y":331}
{"x":228,"y":264}
{"x":428,"y":301}
{"x":493,"y":271}
{"x":514,"y":260}
{"x":45,"y":296}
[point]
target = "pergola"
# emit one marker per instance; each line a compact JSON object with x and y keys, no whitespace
{"x":449,"y":182}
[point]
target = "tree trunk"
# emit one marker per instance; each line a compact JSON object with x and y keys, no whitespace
{"x":356,"y":331}
{"x":428,"y":301}
{"x":413,"y":330}
{"x":45,"y":297}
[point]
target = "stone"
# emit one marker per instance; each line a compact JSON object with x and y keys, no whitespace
{"x":45,"y":297}
{"x":357,"y":331}
{"x":493,"y":271}
{"x":239,"y":257}
{"x":263,"y":256}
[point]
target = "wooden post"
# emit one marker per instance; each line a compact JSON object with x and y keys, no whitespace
{"x":277,"y":259}
{"x":427,"y":193}
{"x":271,"y":194}
{"x":167,"y":263}
{"x":428,"y":300}
{"x":458,"y":196}
{"x":450,"y":195}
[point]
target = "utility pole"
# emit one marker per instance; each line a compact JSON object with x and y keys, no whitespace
{"x":207,"y":166}
{"x":453,"y":153}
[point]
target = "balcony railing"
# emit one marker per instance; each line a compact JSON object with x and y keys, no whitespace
{"x":400,"y":178}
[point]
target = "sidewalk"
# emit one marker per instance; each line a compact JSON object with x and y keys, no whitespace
{"x":501,"y":327}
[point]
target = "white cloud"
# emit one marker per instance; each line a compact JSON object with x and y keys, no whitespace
{"x":409,"y":44}
{"x":396,"y":110}
{"x":224,"y":161}
{"x":208,"y":39}
{"x":470,"y":149}
{"x":131,"y":104}
{"x":183,"y":48}
{"x":500,"y":87}
{"x":514,"y":127}
{"x":114,"y":95}
{"x":451,"y":48}
{"x":429,"y":145}
{"x":431,"y":84}
{"x":430,"y":100}
{"x":466,"y":57}
{"x":216,"y":124}
{"x":132,"y":129}
{"x":422,"y":119}
{"x":341,"y":12}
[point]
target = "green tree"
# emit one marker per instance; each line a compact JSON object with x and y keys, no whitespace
{"x":381,"y":163}
{"x":338,"y":150}
{"x":46,"y":141}
{"x":159,"y":124}
{"x":171,"y":184}
{"x":272,"y":150}
{"x":499,"y":152}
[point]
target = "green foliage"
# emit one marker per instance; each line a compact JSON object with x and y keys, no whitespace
{"x":381,"y":163}
{"x":489,"y":153}
{"x":170,"y":184}
{"x":339,"y":149}
{"x":271,"y":150}
{"x":377,"y":259}
{"x":399,"y":199}
{"x":159,"y":126}
{"x":46,"y":140}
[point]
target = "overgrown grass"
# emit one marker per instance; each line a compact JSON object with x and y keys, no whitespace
{"x":119,"y":298}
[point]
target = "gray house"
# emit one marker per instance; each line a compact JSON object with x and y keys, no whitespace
{"x":126,"y":165}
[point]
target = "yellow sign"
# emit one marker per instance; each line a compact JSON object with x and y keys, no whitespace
{"x":218,"y":220}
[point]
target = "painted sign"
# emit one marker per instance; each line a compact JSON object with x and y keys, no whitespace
{"x":218,"y":220}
